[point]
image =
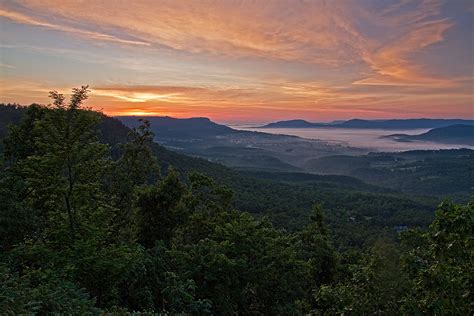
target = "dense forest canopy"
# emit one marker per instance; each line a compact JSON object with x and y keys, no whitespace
{"x":92,"y":222}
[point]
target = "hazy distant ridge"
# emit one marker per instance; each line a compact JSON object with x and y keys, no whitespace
{"x":455,"y":134}
{"x":372,"y":124}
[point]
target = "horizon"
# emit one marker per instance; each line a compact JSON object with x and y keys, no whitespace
{"x":292,"y":119}
{"x":244,"y":63}
{"x":243,"y":123}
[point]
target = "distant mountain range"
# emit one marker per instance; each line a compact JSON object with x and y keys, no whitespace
{"x":199,"y":131}
{"x":372,"y":124}
{"x":455,"y":134}
{"x":238,"y":149}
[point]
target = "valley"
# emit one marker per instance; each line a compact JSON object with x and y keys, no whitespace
{"x":447,"y":171}
{"x":237,"y":148}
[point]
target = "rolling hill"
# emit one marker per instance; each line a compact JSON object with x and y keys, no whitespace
{"x":372,"y":124}
{"x":460,"y":134}
{"x":292,"y":124}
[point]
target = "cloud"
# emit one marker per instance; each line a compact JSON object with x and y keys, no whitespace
{"x":274,"y":96}
{"x":391,"y":61}
{"x":25,"y":19}
{"x":182,"y":95}
{"x":134,"y":94}
{"x":22,"y":90}
{"x":2,"y":65}
{"x":330,"y":34}
{"x":249,"y":56}
{"x":305,"y":32}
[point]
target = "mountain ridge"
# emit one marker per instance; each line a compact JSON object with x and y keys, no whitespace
{"x":373,"y":124}
{"x":460,"y":134}
{"x":165,"y":126}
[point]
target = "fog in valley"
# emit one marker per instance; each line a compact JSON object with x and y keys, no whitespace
{"x":370,"y":139}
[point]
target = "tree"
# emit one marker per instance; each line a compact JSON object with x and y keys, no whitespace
{"x":60,"y":171}
{"x":64,"y":170}
{"x":242,"y":266}
{"x":374,"y":284}
{"x":40,"y":291}
{"x":160,"y":210}
{"x":318,"y":251}
{"x":439,"y":263}
{"x":21,"y":216}
{"x":136,"y":166}
{"x":18,"y":219}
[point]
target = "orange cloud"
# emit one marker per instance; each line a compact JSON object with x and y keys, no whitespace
{"x":306,"y":32}
{"x":25,"y":19}
{"x":391,"y":61}
{"x":22,"y":90}
{"x":316,"y":32}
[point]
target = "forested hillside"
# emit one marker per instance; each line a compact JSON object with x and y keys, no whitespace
{"x":429,"y":172}
{"x":97,"y":218}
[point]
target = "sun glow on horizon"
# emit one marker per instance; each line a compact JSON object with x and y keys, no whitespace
{"x":133,"y":112}
{"x":139,"y":97}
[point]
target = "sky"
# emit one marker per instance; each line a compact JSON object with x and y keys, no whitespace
{"x":244,"y":61}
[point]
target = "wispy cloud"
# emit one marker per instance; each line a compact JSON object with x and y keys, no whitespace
{"x":23,"y":90}
{"x":329,"y":34}
{"x":391,"y":62}
{"x":6,"y":66}
{"x":29,"y":20}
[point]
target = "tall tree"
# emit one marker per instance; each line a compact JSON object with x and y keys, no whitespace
{"x":66,"y":162}
{"x":317,"y":248}
{"x":135,"y":168}
{"x":71,"y":160}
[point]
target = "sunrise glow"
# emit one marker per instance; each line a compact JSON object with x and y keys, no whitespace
{"x":246,"y":61}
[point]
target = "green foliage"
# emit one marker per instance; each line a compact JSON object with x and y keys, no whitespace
{"x":245,"y":266}
{"x":60,"y":163}
{"x":179,"y":295}
{"x":18,"y":219}
{"x":439,"y":263}
{"x":373,"y":284}
{"x":134,"y":168}
{"x":160,"y":210}
{"x":91,"y":228}
{"x":318,"y":250}
{"x":40,"y":291}
{"x":20,"y":142}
